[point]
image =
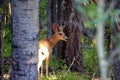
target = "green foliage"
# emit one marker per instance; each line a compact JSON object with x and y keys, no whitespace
{"x":6,"y":68}
{"x":42,"y":34}
{"x":7,"y":42}
{"x":43,"y":12}
{"x":90,"y":11}
{"x":90,"y":61}
{"x":43,"y":18}
{"x":58,"y":63}
{"x":43,"y":9}
{"x":4,"y":11}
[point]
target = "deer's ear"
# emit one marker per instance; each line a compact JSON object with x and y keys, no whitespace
{"x":55,"y":27}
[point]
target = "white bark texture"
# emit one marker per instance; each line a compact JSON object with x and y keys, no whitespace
{"x":25,"y":29}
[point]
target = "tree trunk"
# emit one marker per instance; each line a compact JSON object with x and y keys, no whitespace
{"x":1,"y":47}
{"x":73,"y":51}
{"x":49,"y":22}
{"x":116,"y":43}
{"x":25,"y":29}
{"x":54,"y":17}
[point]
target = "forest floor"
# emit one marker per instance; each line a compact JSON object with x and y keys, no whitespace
{"x":57,"y":71}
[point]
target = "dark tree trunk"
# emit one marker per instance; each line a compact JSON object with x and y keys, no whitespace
{"x":25,"y":29}
{"x":49,"y":22}
{"x":54,"y":16}
{"x":1,"y":47}
{"x":73,"y":51}
{"x":54,"y":11}
{"x":60,"y":47}
{"x":116,"y":43}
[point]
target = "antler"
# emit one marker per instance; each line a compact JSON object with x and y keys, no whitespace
{"x":62,"y":27}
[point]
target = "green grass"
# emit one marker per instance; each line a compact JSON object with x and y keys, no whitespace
{"x":90,"y":61}
{"x":64,"y":75}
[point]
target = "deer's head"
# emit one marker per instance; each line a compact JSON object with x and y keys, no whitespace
{"x":59,"y":32}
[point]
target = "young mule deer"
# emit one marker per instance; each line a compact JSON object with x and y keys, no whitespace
{"x":46,"y":46}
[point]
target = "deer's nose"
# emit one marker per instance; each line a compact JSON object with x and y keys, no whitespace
{"x":66,"y":38}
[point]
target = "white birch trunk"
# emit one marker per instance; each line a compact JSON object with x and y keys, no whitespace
{"x":25,"y":28}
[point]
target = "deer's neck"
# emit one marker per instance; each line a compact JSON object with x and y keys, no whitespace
{"x":53,"y":40}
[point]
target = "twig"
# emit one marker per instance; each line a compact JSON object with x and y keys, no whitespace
{"x":71,"y":65}
{"x":93,"y":76}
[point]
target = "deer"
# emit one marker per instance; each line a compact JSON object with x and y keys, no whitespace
{"x":46,"y":45}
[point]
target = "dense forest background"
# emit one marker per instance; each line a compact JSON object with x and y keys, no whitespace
{"x":92,"y":51}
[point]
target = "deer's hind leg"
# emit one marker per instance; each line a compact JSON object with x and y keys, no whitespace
{"x":47,"y":63}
